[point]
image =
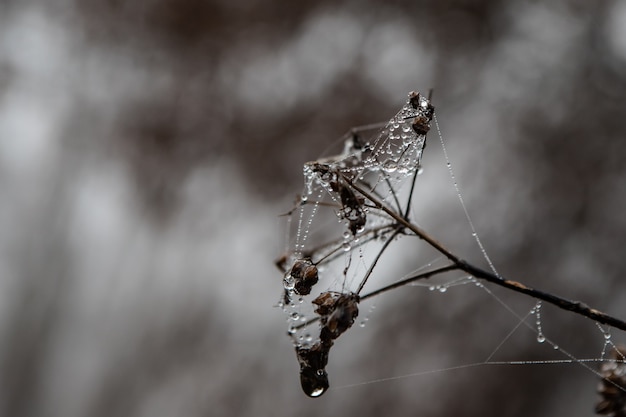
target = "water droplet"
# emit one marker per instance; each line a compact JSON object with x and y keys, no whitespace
{"x":607,"y":336}
{"x":295,"y":315}
{"x":346,"y":246}
{"x":289,"y":282}
{"x":432,"y":288}
{"x":314,"y":383}
{"x":541,"y":338}
{"x":390,"y":166}
{"x":347,"y":235}
{"x":555,"y":347}
{"x":443,"y":288}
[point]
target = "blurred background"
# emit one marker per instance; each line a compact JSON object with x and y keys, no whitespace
{"x":148,"y":147}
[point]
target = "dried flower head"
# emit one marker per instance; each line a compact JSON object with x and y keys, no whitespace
{"x":337,"y":313}
{"x":304,"y":276}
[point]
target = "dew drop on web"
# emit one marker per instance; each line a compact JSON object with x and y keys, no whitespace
{"x":289,"y":282}
{"x":390,"y":166}
{"x":537,"y":311}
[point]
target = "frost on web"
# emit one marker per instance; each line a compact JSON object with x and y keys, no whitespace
{"x":333,"y":232}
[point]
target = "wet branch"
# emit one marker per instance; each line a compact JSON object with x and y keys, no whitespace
{"x":460,"y":264}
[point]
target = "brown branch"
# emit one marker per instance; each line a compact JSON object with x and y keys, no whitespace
{"x":573,"y":306}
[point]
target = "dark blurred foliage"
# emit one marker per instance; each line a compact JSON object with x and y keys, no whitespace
{"x":138,"y":240}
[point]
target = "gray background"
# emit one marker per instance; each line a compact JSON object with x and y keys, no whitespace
{"x":147,"y":148}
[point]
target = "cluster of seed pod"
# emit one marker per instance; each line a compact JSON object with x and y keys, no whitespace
{"x":337,"y":313}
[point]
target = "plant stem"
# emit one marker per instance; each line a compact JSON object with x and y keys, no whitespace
{"x":573,"y":306}
{"x":423,"y":275}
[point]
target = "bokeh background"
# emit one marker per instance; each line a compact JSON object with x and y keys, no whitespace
{"x":148,"y":147}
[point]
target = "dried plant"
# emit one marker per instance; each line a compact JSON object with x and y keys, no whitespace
{"x":349,"y":201}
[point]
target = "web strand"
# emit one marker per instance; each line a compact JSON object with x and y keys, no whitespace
{"x":460,"y":197}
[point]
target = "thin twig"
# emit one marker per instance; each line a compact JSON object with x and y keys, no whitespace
{"x":380,"y":253}
{"x":423,"y":275}
{"x":413,"y":181}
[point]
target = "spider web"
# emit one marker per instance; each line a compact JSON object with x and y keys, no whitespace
{"x":337,"y":238}
{"x":331,"y":225}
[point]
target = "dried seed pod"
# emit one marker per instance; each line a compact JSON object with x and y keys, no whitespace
{"x":421,"y":123}
{"x":612,"y":387}
{"x":351,"y":205}
{"x":325,"y":174}
{"x":337,"y":313}
{"x":419,"y":102}
{"x":304,"y":275}
{"x":352,"y":210}
{"x":415,"y":99}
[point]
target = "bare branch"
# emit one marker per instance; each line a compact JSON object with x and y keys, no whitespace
{"x":573,"y":306}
